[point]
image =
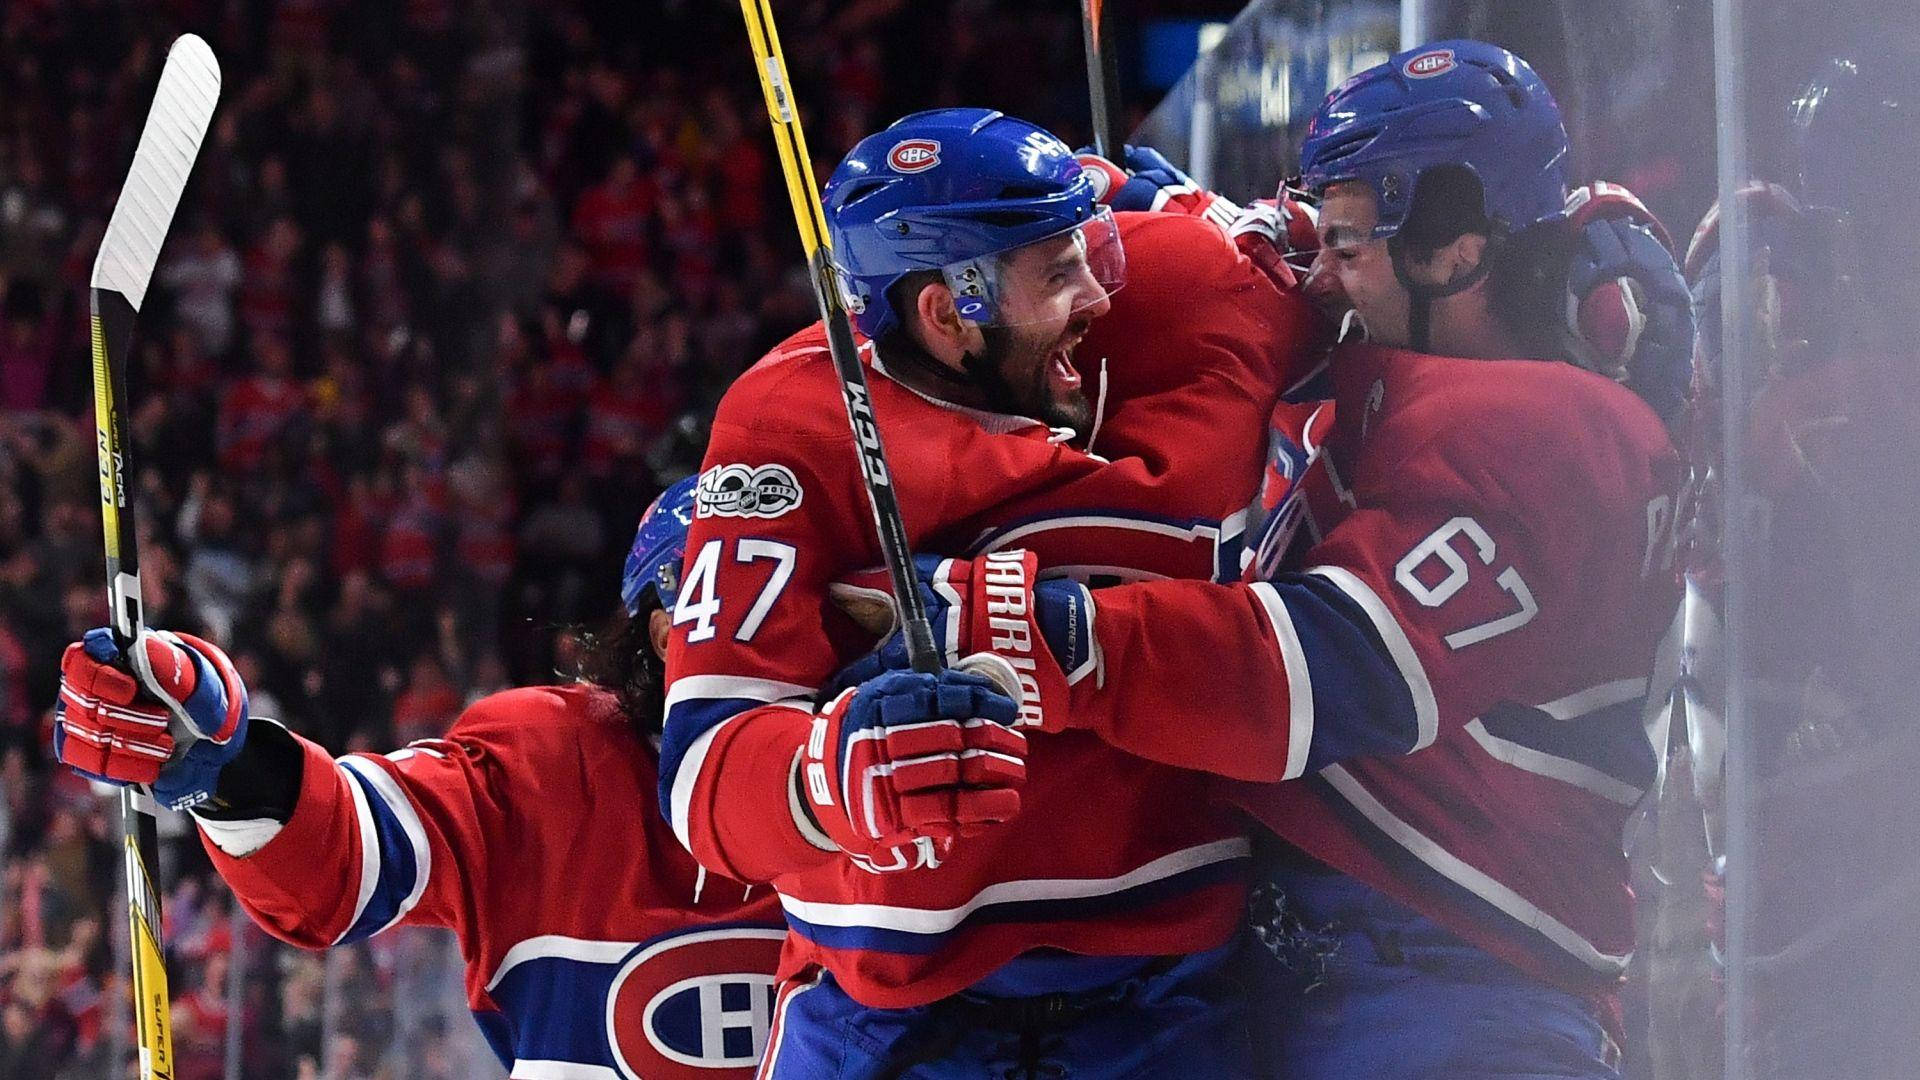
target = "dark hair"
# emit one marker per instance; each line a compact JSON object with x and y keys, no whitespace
{"x":618,"y":657}
{"x":904,"y":295}
{"x":1526,"y":271}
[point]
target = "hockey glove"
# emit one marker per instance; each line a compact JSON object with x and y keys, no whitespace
{"x":1144,"y":180}
{"x":171,"y":727}
{"x":987,"y":613}
{"x":1627,"y":303}
{"x":907,"y":756}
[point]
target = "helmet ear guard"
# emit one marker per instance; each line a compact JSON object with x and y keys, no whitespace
{"x":988,"y":290}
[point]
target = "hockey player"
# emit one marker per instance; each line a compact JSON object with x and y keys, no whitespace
{"x":1086,"y":936}
{"x":594,"y":944}
{"x":1451,"y":677}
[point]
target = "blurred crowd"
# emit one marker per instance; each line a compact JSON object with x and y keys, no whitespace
{"x":447,"y":301}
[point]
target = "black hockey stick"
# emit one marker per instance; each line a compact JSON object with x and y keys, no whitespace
{"x":182,"y":107}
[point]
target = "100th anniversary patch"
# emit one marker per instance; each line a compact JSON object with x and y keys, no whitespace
{"x":747,"y":491}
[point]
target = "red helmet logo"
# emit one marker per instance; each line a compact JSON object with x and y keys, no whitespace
{"x":695,"y":1004}
{"x":1429,"y":64}
{"x":914,"y":155}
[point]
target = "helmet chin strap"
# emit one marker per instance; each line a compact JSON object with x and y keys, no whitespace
{"x":1420,"y":296}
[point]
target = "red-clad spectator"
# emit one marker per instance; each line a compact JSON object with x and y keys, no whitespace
{"x":740,"y":171}
{"x":270,"y":288}
{"x":200,"y":1021}
{"x":189,"y":367}
{"x":28,"y":341}
{"x":426,"y":708}
{"x":858,"y":76}
{"x":359,"y":525}
{"x":484,"y":508}
{"x":629,"y":409}
{"x":613,"y":220}
{"x":258,"y":409}
{"x":410,"y":543}
{"x":15,"y":711}
{"x":692,"y":233}
{"x":540,"y":412}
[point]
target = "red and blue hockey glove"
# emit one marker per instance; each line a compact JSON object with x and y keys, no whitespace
{"x":987,"y":613}
{"x":1144,"y":180}
{"x":171,"y":727}
{"x":1280,"y":235}
{"x":1627,"y":302}
{"x":907,"y":756}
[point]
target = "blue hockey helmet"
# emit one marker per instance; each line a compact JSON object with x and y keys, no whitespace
{"x":1460,"y":103}
{"x":659,"y":547}
{"x":958,"y":190}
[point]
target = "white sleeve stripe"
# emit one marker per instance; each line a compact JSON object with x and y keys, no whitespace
{"x":1469,"y":877}
{"x":914,"y":920}
{"x":1595,"y":698}
{"x":585,"y":950}
{"x":709,"y":687}
{"x":1299,"y":679}
{"x":402,"y":809}
{"x":538,"y":1069}
{"x":1565,"y":770}
{"x":1426,"y":710}
{"x":681,"y":796}
{"x":369,"y":853}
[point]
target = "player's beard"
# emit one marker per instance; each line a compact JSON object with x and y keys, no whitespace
{"x":1017,"y":375}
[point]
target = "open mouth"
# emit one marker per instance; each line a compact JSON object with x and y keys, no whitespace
{"x":1060,"y":370}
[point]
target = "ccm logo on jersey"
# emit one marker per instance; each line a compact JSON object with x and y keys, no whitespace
{"x":747,"y":491}
{"x":696,"y":1001}
{"x":1429,"y":64}
{"x":914,"y":155}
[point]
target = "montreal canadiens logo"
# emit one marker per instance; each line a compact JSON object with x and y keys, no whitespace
{"x":1429,"y":64}
{"x":914,"y":155}
{"x":695,"y":1005}
{"x":747,"y":491}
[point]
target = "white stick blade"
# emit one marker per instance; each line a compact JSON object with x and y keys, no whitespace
{"x":182,"y":108}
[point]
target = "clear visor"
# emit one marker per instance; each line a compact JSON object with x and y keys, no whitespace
{"x":1047,"y":280}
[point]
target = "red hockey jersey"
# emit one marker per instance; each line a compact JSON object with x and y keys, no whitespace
{"x":1458,"y":671}
{"x":1110,"y":856}
{"x":592,"y":944}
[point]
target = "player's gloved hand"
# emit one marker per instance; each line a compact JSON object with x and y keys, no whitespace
{"x":906,"y":756}
{"x":1629,"y":306}
{"x":171,"y":727}
{"x":989,"y":615}
{"x":1144,"y":180}
{"x":1281,"y":235}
